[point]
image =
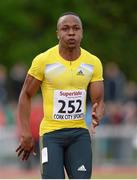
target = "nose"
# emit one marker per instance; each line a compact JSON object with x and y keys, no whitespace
{"x":71,"y":32}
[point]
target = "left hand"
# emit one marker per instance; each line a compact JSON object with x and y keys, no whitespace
{"x":95,"y":118}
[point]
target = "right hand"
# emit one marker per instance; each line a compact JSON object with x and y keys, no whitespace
{"x":27,"y":145}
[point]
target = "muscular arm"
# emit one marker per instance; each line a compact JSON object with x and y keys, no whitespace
{"x":31,"y":85}
{"x":96,"y":92}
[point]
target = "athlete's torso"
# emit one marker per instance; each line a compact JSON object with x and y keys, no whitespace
{"x":64,"y":86}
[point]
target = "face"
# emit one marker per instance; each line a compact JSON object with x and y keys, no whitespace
{"x":69,"y":31}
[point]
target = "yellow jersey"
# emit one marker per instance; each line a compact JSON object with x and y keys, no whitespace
{"x":64,"y":86}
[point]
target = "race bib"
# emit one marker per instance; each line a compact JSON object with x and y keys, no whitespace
{"x":69,"y":104}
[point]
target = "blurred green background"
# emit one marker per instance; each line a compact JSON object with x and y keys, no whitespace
{"x":28,"y":27}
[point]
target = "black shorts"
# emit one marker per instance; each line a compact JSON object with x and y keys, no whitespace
{"x":68,"y":148}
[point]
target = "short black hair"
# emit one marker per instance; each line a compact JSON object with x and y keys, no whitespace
{"x":70,"y":13}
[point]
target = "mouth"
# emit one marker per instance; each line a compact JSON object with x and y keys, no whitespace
{"x":71,"y":41}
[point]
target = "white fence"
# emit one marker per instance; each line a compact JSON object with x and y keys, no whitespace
{"x":115,"y":144}
{"x":111,"y":144}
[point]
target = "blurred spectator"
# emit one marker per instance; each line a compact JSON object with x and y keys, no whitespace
{"x":36,"y":117}
{"x":17,"y":77}
{"x":2,"y":117}
{"x":131,"y":91}
{"x":10,"y":113}
{"x":3,"y":85}
{"x":35,"y":120}
{"x":114,"y":81}
{"x":88,"y":117}
{"x":130,"y":112}
{"x":114,"y":113}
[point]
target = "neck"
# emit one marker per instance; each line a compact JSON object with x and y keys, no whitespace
{"x":69,"y":54}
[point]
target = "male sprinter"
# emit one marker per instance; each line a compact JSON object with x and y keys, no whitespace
{"x":64,"y":73}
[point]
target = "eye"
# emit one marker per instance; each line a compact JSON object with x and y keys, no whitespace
{"x":64,"y":28}
{"x":76,"y":28}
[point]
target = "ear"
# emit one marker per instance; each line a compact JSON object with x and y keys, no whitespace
{"x":82,"y":34}
{"x":57,"y":34}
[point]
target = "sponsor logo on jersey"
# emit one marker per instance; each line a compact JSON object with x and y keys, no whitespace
{"x":80,"y":73}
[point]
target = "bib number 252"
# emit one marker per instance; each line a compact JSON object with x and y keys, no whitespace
{"x":70,"y":106}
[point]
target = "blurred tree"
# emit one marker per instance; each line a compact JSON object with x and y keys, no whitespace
{"x":29,"y":27}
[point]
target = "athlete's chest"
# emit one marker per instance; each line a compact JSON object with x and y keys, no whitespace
{"x":60,"y":76}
